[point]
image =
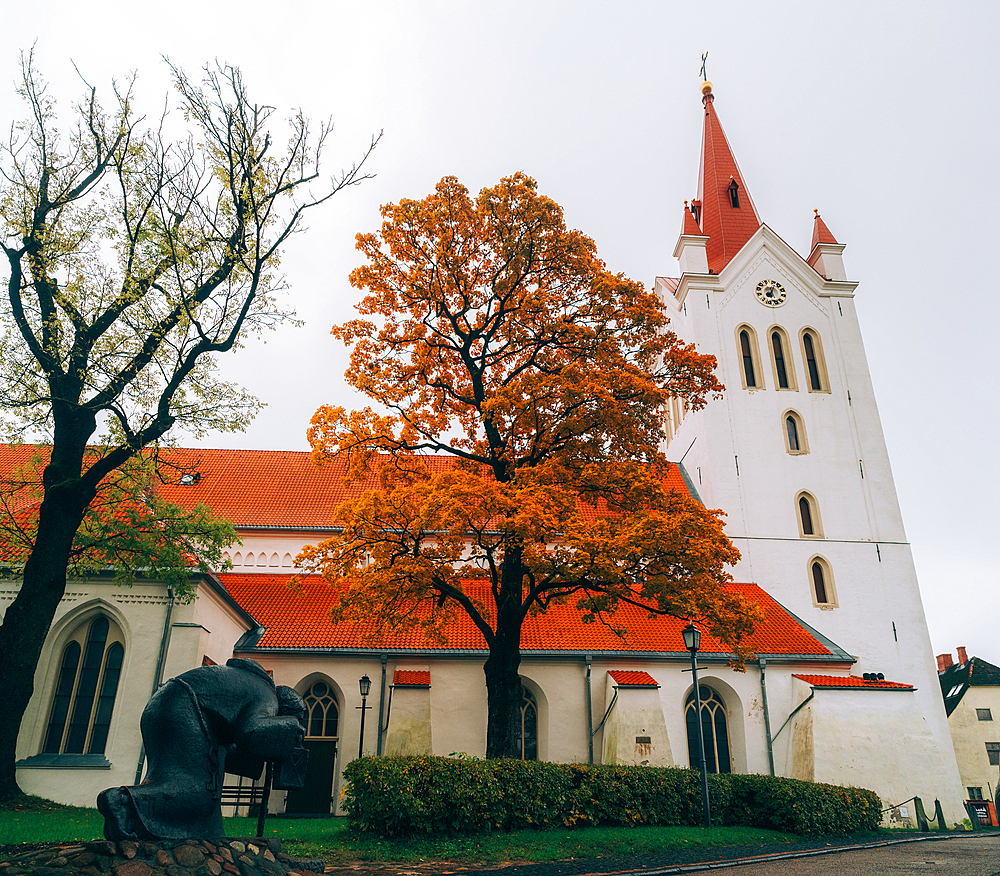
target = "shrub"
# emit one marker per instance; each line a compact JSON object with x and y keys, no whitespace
{"x":398,"y":796}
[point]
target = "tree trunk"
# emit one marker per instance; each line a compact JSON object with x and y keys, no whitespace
{"x":27,"y":621}
{"x":503,"y":681}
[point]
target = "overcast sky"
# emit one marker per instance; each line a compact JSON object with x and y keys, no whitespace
{"x":882,"y":115}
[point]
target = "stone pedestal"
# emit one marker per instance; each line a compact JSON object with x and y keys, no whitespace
{"x":229,"y":857}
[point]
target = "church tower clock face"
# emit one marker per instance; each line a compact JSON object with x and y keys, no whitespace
{"x":771,"y":293}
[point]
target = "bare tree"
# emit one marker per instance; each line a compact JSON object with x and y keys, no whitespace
{"x":134,"y":260}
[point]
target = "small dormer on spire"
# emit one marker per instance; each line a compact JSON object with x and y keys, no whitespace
{"x":691,"y":245}
{"x":826,"y":256}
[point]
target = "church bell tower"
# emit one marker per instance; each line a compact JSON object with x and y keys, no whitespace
{"x":794,"y":451}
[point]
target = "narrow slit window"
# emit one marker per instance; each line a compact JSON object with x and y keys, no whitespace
{"x":805,"y":515}
{"x":748,"y":371}
{"x":793,"y":433}
{"x":819,"y":582}
{"x":779,"y":360}
{"x":811,"y":363}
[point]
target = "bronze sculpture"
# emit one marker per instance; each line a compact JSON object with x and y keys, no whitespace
{"x":196,"y":728}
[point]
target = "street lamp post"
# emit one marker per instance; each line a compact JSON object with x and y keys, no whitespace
{"x":365,"y":683}
{"x":692,"y":639}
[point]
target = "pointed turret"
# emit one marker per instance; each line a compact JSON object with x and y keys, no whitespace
{"x":689,"y":225}
{"x":727,"y":215}
{"x":690,"y":249}
{"x":826,"y":256}
{"x":821,"y":234}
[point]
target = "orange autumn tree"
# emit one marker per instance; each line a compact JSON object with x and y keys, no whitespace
{"x":514,"y":460}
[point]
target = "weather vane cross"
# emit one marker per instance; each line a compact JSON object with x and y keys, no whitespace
{"x":704,"y":60}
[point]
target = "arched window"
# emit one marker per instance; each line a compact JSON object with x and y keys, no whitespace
{"x":321,"y":710}
{"x":750,"y":372}
{"x":821,"y":583}
{"x":714,"y":731}
{"x":812,"y":353}
{"x":527,"y":735}
{"x":781,"y":358}
{"x":795,"y":433}
{"x":779,"y":361}
{"x":87,"y":686}
{"x":807,"y":509}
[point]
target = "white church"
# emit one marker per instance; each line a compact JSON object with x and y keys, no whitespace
{"x":844,"y":688}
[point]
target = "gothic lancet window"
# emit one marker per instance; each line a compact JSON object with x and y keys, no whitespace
{"x":821,"y":583}
{"x":86,"y":689}
{"x":321,"y":710}
{"x":781,"y":358}
{"x":795,"y":433}
{"x":792,"y":428}
{"x":808,"y":515}
{"x":527,"y":735}
{"x":750,"y":372}
{"x":714,"y":731}
{"x":805,"y":515}
{"x":779,"y":361}
{"x":812,"y":352}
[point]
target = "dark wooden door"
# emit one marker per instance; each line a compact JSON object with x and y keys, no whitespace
{"x":315,"y":796}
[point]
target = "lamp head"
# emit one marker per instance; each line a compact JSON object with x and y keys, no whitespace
{"x":692,"y":637}
{"x":365,"y":683}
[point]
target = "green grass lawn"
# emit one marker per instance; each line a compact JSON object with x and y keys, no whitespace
{"x":329,"y":838}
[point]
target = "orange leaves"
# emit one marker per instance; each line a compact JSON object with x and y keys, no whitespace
{"x":516,"y":429}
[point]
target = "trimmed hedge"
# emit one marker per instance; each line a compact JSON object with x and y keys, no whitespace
{"x":397,"y":796}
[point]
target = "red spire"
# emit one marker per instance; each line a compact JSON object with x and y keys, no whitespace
{"x":727,"y":216}
{"x":690,"y":224}
{"x":821,"y":234}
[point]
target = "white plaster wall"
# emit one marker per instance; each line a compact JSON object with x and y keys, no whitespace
{"x":637,"y":714}
{"x":409,"y":725}
{"x":879,"y":740}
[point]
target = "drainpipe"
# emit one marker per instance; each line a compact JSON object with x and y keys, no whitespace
{"x":590,"y":715}
{"x":761,"y":662}
{"x":381,"y":708}
{"x":158,"y":676}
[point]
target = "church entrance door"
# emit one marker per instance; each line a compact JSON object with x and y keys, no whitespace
{"x":315,"y":796}
{"x":321,"y":743}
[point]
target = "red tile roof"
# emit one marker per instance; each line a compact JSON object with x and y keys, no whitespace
{"x":670,"y":282}
{"x":853,"y":681}
{"x":411,"y":678}
{"x":255,"y":488}
{"x":821,"y":234}
{"x":299,"y":619}
{"x":630,"y":678}
{"x":727,"y":227}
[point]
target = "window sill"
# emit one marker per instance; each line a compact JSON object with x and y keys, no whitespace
{"x":65,"y":761}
